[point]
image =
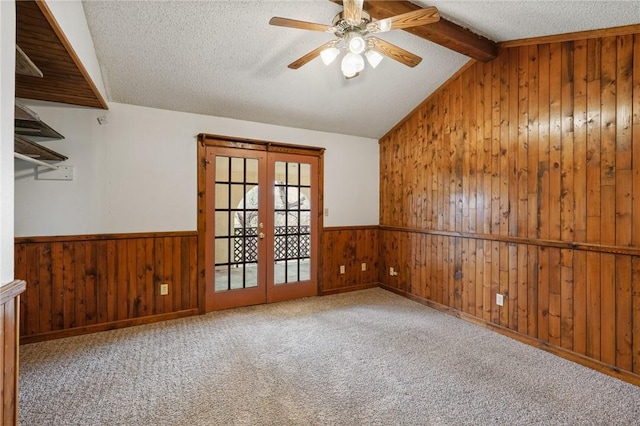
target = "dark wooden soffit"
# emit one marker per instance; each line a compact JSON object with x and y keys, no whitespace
{"x":64,"y":79}
{"x":445,"y":33}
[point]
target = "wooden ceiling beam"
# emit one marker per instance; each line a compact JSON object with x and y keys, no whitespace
{"x":444,"y":32}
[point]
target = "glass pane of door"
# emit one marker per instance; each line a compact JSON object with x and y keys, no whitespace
{"x":292,"y":222}
{"x":236,"y":223}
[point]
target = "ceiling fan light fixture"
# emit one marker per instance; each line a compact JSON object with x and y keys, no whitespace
{"x":357,"y":45}
{"x":374,"y":58}
{"x":352,"y":64}
{"x":329,"y":54}
{"x":383,"y":25}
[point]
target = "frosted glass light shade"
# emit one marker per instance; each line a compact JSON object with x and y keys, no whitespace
{"x":384,"y":25}
{"x":357,"y":45}
{"x":329,"y":54}
{"x":374,"y":58}
{"x":352,"y":64}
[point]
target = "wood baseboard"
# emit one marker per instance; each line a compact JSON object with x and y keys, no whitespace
{"x":607,"y":369}
{"x":348,"y":289}
{"x":59,"y":334}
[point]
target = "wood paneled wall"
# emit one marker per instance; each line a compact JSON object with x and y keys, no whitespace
{"x":349,"y":246}
{"x":521,"y":176}
{"x":9,"y":347}
{"x":86,"y":283}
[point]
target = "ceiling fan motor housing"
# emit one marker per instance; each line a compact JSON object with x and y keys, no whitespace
{"x":344,"y":28}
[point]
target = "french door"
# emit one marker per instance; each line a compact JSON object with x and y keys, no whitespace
{"x":261,"y":236}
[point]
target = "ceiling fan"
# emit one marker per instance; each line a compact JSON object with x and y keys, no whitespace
{"x":353,"y":28}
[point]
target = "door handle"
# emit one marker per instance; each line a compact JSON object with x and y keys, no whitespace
{"x":261,"y":235}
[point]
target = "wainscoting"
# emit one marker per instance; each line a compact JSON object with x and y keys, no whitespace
{"x":87,"y":283}
{"x":349,"y":246}
{"x":9,"y":344}
{"x":522,"y":177}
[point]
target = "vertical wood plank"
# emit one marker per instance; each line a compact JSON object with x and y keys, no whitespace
{"x":471,"y":278}
{"x":608,"y":198}
{"x":110,"y":281}
{"x":636,"y":204}
{"x":57,"y":287}
{"x":624,"y":313}
{"x":149,"y":277}
{"x":176,"y":293}
{"x":192,"y":242}
{"x":20,"y":272}
{"x":538,"y":119}
{"x":31,"y":298}
{"x":69,"y":286}
{"x":45,"y":296}
{"x":102,"y":284}
{"x":608,"y":277}
{"x":133,"y":296}
{"x":543,"y":198}
{"x":523,"y":288}
{"x":122,"y":279}
{"x":580,"y":302}
{"x":580,"y":194}
{"x":523,"y":143}
{"x":636,"y":315}
{"x":80,"y":253}
{"x":158,"y":276}
{"x":91,"y":283}
{"x":186,"y":274}
{"x":555,"y":189}
{"x":513,"y":178}
{"x":141,"y":304}
{"x":594,"y":48}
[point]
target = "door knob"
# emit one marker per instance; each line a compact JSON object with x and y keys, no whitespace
{"x":261,"y":235}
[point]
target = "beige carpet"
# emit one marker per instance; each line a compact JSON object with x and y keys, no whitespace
{"x":368,"y":357}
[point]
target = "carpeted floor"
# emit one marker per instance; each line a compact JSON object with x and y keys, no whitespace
{"x":368,"y":357}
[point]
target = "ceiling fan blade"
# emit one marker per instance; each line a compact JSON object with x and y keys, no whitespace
{"x":428,"y":15}
{"x":310,"y":56}
{"x":394,"y":52}
{"x":301,"y":25}
{"x":353,"y":11}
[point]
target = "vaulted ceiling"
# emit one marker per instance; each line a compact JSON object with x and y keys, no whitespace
{"x":222,"y":58}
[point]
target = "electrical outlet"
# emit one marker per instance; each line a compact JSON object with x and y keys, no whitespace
{"x":326,"y":212}
{"x":499,"y":299}
{"x":363,"y":267}
{"x":164,"y":289}
{"x":342,"y":269}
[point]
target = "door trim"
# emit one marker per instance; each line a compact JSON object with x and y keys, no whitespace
{"x":205,"y":140}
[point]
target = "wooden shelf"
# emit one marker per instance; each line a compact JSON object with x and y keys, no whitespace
{"x":28,"y":123}
{"x":31,"y":149}
{"x":25,"y":66}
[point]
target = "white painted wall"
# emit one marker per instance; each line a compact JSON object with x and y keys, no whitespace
{"x":138,"y":172}
{"x":7,"y":91}
{"x":70,"y":16}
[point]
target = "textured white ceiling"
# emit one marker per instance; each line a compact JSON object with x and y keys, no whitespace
{"x":222,"y":58}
